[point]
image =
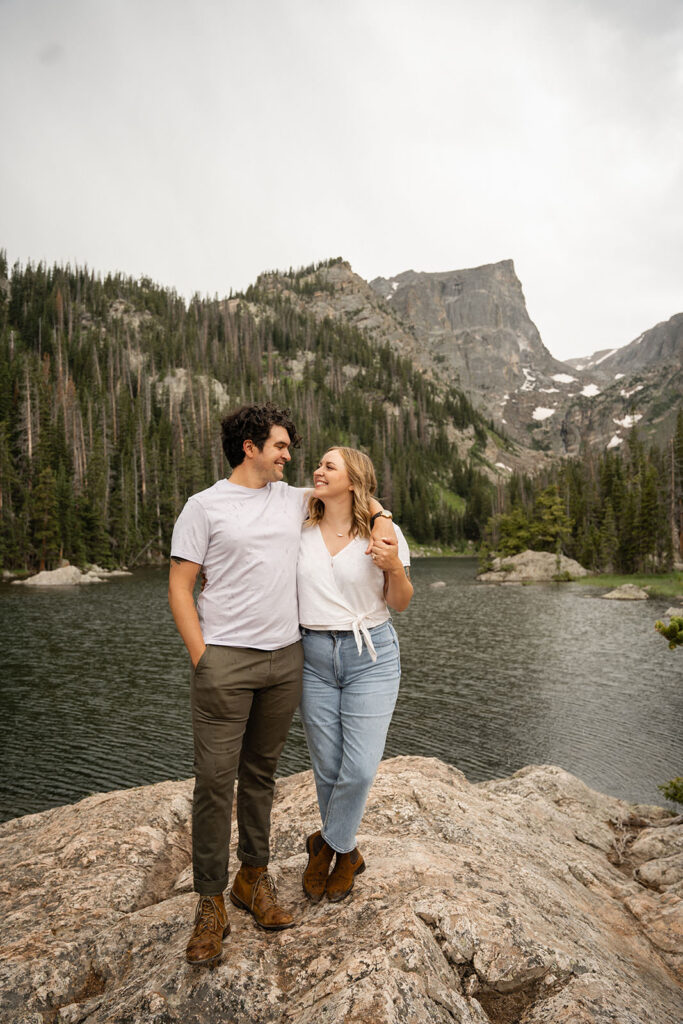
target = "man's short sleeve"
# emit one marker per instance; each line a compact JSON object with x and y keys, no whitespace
{"x":403,"y":549}
{"x":191,"y":533}
{"x":301,"y":496}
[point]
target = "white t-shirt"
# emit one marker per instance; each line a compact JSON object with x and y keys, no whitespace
{"x":247,"y":540}
{"x":342,"y":591}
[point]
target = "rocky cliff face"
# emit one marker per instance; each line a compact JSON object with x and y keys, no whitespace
{"x":474,"y":325}
{"x":530,"y":899}
{"x":641,"y":384}
{"x":471,"y":328}
{"x":662,"y":346}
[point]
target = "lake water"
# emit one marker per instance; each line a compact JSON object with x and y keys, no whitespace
{"x":95,"y":680}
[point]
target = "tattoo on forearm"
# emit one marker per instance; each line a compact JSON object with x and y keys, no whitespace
{"x":177,"y":560}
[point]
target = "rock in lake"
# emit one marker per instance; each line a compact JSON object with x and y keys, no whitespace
{"x":65,"y":576}
{"x":96,"y":570}
{"x":511,"y":900}
{"x":538,"y":566}
{"x":627,"y":592}
{"x":71,"y":575}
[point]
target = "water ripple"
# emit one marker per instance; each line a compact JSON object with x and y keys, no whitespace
{"x":95,"y":687}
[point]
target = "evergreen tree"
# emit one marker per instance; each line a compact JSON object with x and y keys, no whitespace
{"x":551,"y":525}
{"x":608,"y":541}
{"x":677,"y":487}
{"x":44,"y":519}
{"x":514,"y":532}
{"x":117,"y":387}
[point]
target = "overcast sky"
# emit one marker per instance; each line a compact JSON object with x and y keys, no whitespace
{"x":201,"y":143}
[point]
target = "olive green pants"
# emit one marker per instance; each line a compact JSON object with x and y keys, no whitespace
{"x":242,"y":701}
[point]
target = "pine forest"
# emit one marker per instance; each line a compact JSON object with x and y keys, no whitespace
{"x":111,"y":396}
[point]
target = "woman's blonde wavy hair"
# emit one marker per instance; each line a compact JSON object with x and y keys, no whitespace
{"x":364,"y":482}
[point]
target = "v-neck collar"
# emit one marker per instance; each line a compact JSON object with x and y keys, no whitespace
{"x":324,"y":544}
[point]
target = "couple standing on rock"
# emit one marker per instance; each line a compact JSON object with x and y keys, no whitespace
{"x":296,"y":584}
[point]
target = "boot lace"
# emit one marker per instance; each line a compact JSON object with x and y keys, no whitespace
{"x":266,"y":884}
{"x":206,"y":919}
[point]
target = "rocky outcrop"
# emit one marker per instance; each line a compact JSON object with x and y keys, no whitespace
{"x":532,"y":566}
{"x":69,"y":576}
{"x":335,"y":291}
{"x":65,"y":576}
{"x":627,"y":592}
{"x":530,"y":899}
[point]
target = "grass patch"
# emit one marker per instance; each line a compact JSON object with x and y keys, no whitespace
{"x":451,"y":499}
{"x":438,"y":550}
{"x":502,"y":441}
{"x":669,"y":584}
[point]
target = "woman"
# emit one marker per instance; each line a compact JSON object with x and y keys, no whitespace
{"x":352,"y":666}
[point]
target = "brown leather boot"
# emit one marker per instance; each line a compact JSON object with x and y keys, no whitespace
{"x":340,"y":882}
{"x":254,"y":890}
{"x":210,"y":927}
{"x":320,"y":857}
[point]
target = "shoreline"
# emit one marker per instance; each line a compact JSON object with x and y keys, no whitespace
{"x":666,"y":585}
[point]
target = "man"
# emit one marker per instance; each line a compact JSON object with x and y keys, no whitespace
{"x":244,"y":643}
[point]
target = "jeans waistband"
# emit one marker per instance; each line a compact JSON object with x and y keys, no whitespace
{"x":340,"y":632}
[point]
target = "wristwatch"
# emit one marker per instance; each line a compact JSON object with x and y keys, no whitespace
{"x":385,"y":514}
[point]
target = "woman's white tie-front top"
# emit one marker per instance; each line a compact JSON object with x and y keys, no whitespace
{"x":342,"y":591}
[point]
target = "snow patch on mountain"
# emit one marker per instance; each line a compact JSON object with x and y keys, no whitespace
{"x":529,"y":381}
{"x":628,"y":421}
{"x":627,"y":394}
{"x":540,"y":413}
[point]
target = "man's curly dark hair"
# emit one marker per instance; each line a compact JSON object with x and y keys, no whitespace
{"x":253,"y":423}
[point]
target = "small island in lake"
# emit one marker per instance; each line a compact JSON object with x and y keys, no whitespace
{"x":532,"y":566}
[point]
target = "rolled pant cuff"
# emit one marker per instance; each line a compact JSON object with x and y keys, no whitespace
{"x":340,"y":852}
{"x":250,"y":860}
{"x":205,"y":888}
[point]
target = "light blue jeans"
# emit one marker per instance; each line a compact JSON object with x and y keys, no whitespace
{"x":346,"y":708}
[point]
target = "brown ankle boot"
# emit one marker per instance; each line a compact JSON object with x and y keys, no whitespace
{"x":340,"y":882}
{"x":210,"y":927}
{"x":254,"y":890}
{"x":320,"y":857}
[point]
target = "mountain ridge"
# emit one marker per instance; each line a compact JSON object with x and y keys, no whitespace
{"x":111,"y":391}
{"x":470,"y":328}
